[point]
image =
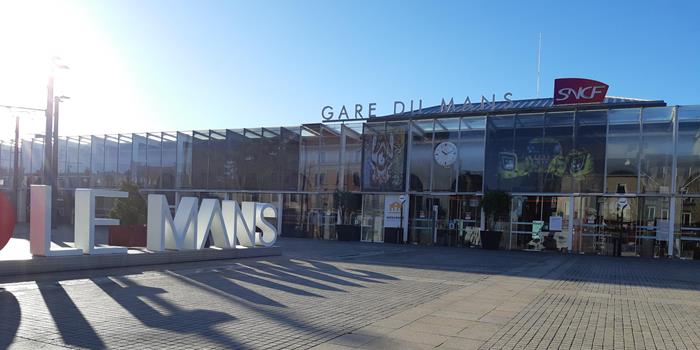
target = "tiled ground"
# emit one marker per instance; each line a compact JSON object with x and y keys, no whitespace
{"x":339,"y":295}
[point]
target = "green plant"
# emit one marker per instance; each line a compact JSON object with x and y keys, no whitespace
{"x":496,"y":205}
{"x":130,"y":210}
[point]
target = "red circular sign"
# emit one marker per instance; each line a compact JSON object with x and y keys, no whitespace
{"x":7,"y":219}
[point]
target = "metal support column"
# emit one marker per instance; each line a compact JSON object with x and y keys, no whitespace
{"x":674,"y":173}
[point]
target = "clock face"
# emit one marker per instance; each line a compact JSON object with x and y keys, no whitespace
{"x":445,"y":154}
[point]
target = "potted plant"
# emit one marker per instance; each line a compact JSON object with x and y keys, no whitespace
{"x":496,"y":205}
{"x":131,"y":212}
{"x":345,"y":204}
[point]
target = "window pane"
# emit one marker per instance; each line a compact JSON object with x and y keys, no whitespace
{"x":329,"y":158}
{"x":200,"y":159}
{"x":98,"y":162}
{"x":558,"y":144}
{"x":289,"y":157}
{"x":219,"y":170}
{"x":471,"y":154}
{"x":140,"y":148}
{"x":421,"y":155}
{"x":501,"y":161}
{"x":353,"y":156}
{"x":169,"y":156}
{"x":309,"y":173}
{"x":125,"y":154}
{"x":586,"y":161}
{"x":529,"y":148}
{"x":623,"y":150}
{"x":184,"y":160}
{"x":656,"y":159}
{"x":688,"y":149}
{"x":153,"y":161}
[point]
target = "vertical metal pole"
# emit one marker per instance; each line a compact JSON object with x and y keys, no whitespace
{"x":280,"y":213}
{"x":341,"y":171}
{"x":49,"y":130}
{"x":674,"y":174}
{"x":408,"y":143}
{"x":15,"y":173}
{"x":54,"y":163}
{"x":570,"y":236}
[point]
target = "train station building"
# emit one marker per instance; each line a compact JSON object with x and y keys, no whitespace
{"x":588,"y":174}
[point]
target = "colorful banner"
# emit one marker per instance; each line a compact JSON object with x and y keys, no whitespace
{"x":384,"y":161}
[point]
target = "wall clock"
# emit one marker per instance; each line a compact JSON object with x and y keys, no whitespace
{"x":445,"y":153}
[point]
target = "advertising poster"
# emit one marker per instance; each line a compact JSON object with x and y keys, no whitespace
{"x":384,"y":161}
{"x":392,"y":210}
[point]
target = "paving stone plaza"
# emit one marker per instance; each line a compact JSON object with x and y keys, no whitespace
{"x":341,"y":295}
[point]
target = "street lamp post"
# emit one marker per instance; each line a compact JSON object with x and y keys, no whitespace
{"x":49,"y":179}
{"x":54,"y":157}
{"x":51,"y":136}
{"x":48,"y":152}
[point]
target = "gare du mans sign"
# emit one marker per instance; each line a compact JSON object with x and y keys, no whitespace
{"x":226,"y":224}
{"x":358,"y":112}
{"x":566,"y":91}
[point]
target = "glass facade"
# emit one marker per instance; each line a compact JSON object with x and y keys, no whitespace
{"x":619,"y":180}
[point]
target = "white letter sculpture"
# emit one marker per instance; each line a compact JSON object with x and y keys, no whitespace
{"x":40,"y":225}
{"x":211,"y":220}
{"x":268,"y":236}
{"x":241,"y":220}
{"x":229,"y":224}
{"x":165,"y":233}
{"x":85,"y":220}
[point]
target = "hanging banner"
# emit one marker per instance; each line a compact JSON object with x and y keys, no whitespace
{"x":384,"y":163}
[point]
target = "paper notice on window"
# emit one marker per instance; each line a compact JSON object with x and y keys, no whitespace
{"x":555,"y":223}
{"x":662,"y":230}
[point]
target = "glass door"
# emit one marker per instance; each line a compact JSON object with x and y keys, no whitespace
{"x":653,"y":228}
{"x":687,"y":236}
{"x":422,"y":217}
{"x":589,"y":235}
{"x":465,"y":220}
{"x":372,"y":227}
{"x":607,"y":225}
{"x":539,"y":223}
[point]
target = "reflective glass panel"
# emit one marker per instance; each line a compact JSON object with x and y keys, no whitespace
{"x":532,"y":153}
{"x":421,"y":155}
{"x":329,"y":157}
{"x":586,"y":162}
{"x":501,"y":162}
{"x":623,"y":151}
{"x":656,"y":159}
{"x":557,"y":145}
{"x":184,"y":160}
{"x":352,"y":160}
{"x":471,"y":154}
{"x":688,"y":149}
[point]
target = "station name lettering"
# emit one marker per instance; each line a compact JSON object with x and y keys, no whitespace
{"x":359,"y":111}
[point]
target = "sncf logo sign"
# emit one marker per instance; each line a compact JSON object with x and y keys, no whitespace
{"x":575,"y":90}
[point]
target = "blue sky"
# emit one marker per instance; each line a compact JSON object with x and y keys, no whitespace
{"x":229,"y":64}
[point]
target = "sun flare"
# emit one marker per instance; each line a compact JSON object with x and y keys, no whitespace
{"x":31,"y":34}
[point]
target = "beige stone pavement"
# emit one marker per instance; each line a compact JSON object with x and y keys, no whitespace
{"x":464,"y":319}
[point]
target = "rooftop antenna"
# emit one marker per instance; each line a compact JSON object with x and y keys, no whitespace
{"x":539,"y":55}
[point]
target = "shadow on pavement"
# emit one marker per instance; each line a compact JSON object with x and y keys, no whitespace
{"x":74,"y":327}
{"x":10,"y":315}
{"x":129,"y":295}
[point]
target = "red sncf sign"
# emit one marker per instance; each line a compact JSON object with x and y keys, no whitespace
{"x":576,"y":90}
